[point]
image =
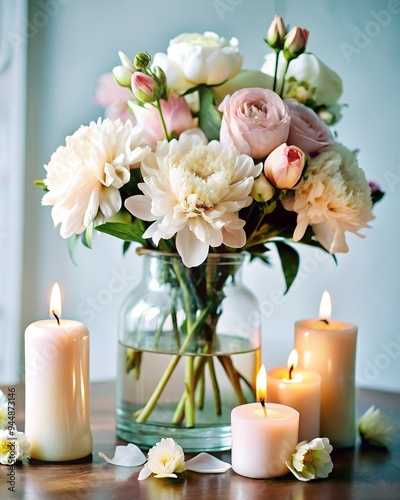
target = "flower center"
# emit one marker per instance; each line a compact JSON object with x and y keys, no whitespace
{"x":199,"y":178}
{"x":292,"y":155}
{"x":6,"y":446}
{"x":307,"y":457}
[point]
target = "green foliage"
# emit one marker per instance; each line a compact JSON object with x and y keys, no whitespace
{"x":126,"y":232}
{"x":290,"y":262}
{"x":209,"y":116}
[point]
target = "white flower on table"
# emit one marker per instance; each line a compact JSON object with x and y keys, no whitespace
{"x":376,"y":428}
{"x":165,"y":459}
{"x":14,"y":446}
{"x":311,"y":460}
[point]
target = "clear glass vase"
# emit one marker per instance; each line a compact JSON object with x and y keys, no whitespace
{"x":189,"y":352}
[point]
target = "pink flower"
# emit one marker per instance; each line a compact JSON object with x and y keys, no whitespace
{"x":177,"y":116}
{"x":284,"y":166}
{"x":113,"y":98}
{"x":254,"y":120}
{"x":295,"y":43}
{"x":307,"y":130}
{"x":276,"y":33}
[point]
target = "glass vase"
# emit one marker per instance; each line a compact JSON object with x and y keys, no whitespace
{"x":189,"y":352}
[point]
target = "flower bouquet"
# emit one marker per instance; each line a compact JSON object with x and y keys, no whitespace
{"x":201,"y":162}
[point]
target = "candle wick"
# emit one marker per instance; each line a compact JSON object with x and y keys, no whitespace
{"x":325,"y":321}
{"x":262,"y":401}
{"x":290,"y":372}
{"x":57,"y":318}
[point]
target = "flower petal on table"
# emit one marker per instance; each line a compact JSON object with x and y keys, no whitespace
{"x":207,"y":464}
{"x":127,"y":456}
{"x":144,"y":473}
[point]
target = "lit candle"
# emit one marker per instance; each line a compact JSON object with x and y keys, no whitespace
{"x":329,"y":347}
{"x":57,"y":387}
{"x":300,"y":389}
{"x":264,"y":436}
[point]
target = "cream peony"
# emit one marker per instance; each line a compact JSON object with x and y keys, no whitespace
{"x":334,"y":197}
{"x":84,"y":176}
{"x":165,"y":459}
{"x":307,"y":67}
{"x":193,"y":59}
{"x":14,"y":446}
{"x":195,"y":191}
{"x":311,"y":460}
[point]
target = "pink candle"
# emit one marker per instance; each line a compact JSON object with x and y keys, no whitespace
{"x":57,"y":388}
{"x":263,"y":438}
{"x":329,"y":347}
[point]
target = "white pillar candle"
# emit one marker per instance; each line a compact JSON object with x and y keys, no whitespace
{"x":263,"y":439}
{"x":329,"y":347}
{"x":57,"y":389}
{"x":302,"y":392}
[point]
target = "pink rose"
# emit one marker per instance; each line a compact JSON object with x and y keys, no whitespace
{"x":113,"y":98}
{"x":307,"y":130}
{"x":284,"y":166}
{"x":177,"y":117}
{"x":254,"y":120}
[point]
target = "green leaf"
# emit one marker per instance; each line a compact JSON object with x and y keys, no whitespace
{"x":71,"y":243}
{"x":87,"y":236}
{"x":126,"y":246}
{"x":209,"y":116}
{"x":126,"y":232}
{"x":290,"y":262}
{"x":377,"y":196}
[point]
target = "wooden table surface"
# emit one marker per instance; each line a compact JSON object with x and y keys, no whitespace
{"x":358,"y":473}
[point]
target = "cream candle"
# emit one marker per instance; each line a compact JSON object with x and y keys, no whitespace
{"x":300,"y":389}
{"x":329,"y":347}
{"x":57,"y":387}
{"x":264,"y":437}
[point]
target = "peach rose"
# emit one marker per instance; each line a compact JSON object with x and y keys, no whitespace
{"x":307,"y":131}
{"x":255,"y":121}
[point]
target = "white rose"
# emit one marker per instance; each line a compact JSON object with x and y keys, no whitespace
{"x":307,"y":67}
{"x":193,"y":59}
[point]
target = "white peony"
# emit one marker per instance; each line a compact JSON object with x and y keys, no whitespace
{"x":308,"y":68}
{"x":165,"y":459}
{"x":376,"y":428}
{"x":195,"y":191}
{"x":193,"y":59}
{"x":14,"y":446}
{"x":333,"y":198}
{"x":84,"y":176}
{"x":311,"y":460}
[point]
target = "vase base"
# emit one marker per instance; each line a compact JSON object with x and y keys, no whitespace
{"x":197,"y":439}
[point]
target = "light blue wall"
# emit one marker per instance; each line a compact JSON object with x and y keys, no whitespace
{"x":73,"y":44}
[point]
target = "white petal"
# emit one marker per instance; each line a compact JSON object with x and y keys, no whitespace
{"x":193,"y":251}
{"x":140,"y":206}
{"x":166,"y":475}
{"x":127,"y":456}
{"x":144,"y":473}
{"x":207,"y":464}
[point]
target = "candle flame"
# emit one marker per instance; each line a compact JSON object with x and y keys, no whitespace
{"x":55,"y":302}
{"x":325,"y":308}
{"x":293,"y":359}
{"x":261,"y":384}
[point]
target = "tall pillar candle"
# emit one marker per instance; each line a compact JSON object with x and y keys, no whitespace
{"x":329,"y":347}
{"x":57,"y":389}
{"x":300,"y":389}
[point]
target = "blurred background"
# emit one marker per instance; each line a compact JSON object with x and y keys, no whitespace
{"x":52,"y":53}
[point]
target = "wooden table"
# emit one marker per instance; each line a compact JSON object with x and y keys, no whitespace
{"x":358,"y":473}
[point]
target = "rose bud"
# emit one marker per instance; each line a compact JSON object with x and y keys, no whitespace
{"x":284,"y":166}
{"x":123,"y":75}
{"x":262,"y":190}
{"x":146,"y":88}
{"x":295,"y":43}
{"x":276,"y":33}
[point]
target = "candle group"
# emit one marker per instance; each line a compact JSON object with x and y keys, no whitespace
{"x":57,"y":389}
